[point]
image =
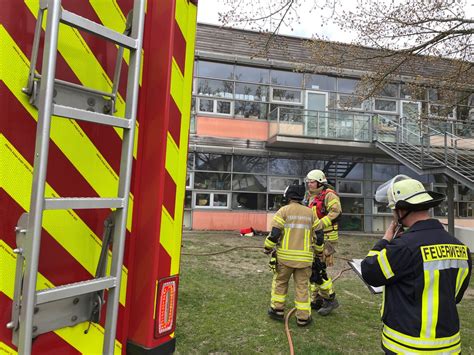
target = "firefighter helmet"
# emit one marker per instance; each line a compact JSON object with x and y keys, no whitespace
{"x":317,"y":175}
{"x":403,"y":192}
{"x":294,"y":192}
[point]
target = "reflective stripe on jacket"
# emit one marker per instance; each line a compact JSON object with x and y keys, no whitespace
{"x":297,"y":223}
{"x":425,"y":272}
{"x":328,"y":208}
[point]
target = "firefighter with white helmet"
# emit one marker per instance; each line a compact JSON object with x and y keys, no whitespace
{"x":424,"y":269}
{"x":291,"y":243}
{"x":322,"y":197}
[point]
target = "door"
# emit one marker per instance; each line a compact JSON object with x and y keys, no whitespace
{"x":316,"y":118}
{"x":409,"y":119}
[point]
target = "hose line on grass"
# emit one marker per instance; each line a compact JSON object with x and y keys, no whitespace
{"x":293,"y":310}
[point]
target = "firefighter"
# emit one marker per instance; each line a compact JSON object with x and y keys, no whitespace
{"x":292,"y":237}
{"x":322,"y":197}
{"x":425,"y":271}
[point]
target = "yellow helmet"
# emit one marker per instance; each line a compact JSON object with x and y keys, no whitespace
{"x":317,"y":175}
{"x":403,"y":192}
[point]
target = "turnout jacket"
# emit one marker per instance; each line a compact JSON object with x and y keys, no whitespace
{"x":425,"y":272}
{"x":328,"y":208}
{"x":295,"y":247}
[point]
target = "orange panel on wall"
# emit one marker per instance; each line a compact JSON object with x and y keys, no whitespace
{"x":226,"y":220}
{"x":231,"y":128}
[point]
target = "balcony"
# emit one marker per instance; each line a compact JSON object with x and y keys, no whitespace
{"x":330,"y":130}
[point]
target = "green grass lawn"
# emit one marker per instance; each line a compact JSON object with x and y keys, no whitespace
{"x":223,"y":301}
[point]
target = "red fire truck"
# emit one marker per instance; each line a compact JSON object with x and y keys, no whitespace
{"x":95,"y":101}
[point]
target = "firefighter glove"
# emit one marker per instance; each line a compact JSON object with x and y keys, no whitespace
{"x":272,"y":264}
{"x":267,"y":250}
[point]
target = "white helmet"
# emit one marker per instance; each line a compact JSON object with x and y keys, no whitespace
{"x":317,"y":175}
{"x":403,"y":192}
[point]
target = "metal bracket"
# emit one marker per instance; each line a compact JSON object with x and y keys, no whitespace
{"x":20,"y":231}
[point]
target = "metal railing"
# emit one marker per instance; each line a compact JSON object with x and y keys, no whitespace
{"x":337,"y":125}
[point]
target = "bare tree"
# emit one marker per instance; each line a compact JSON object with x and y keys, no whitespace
{"x":424,"y":42}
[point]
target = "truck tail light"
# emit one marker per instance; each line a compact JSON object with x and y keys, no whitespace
{"x":166,"y":302}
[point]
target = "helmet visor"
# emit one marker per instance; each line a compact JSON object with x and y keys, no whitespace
{"x":384,"y":192}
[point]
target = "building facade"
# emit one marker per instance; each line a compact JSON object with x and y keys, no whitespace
{"x":259,"y":124}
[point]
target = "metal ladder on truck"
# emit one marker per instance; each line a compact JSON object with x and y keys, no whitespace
{"x":33,"y":312}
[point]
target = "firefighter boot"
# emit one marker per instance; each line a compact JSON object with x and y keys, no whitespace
{"x":304,"y":322}
{"x":328,"y":305}
{"x":317,"y":303}
{"x":277,"y":314}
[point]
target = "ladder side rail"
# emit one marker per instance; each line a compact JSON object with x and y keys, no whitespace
{"x":35,"y":50}
{"x":33,"y":238}
{"x":125,"y":176}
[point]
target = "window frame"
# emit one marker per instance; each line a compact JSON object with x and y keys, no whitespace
{"x":214,"y":106}
{"x":294,"y":103}
{"x":386,"y":99}
{"x":211,"y":199}
{"x":350,"y":194}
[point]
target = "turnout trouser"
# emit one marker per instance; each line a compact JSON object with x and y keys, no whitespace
{"x":280,"y":289}
{"x":326,"y":289}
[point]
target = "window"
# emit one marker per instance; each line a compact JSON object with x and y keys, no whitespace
{"x":412,"y":92}
{"x":252,"y":74}
{"x":389,"y":90}
{"x":212,"y":161}
{"x":215,"y":70}
{"x":217,"y":88}
{"x":350,"y":187}
{"x":320,"y":82}
{"x":350,"y":102}
{"x":251,"y":92}
{"x":221,"y":107}
{"x":248,"y":182}
{"x":250,"y":164}
{"x":211,"y":200}
{"x":248,"y":201}
{"x":384,"y":172}
{"x":188,"y":199}
{"x":352,"y":205}
{"x":189,"y":180}
{"x":211,"y":181}
{"x":286,"y":95}
{"x":279,"y":183}
{"x":286,"y":78}
{"x":250,"y":109}
{"x":347,"y":85}
{"x":282,"y":166}
{"x":354,"y":170}
{"x":385,"y":105}
{"x":275,"y":202}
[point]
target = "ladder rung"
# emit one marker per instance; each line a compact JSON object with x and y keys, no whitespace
{"x":82,"y":23}
{"x":74,"y":203}
{"x":71,"y":112}
{"x":75,"y":289}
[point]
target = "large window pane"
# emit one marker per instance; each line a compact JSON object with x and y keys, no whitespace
{"x":248,"y":201}
{"x":241,"y":182}
{"x":309,"y":165}
{"x":251,"y":92}
{"x":203,"y":199}
{"x":286,"y":78}
{"x":286,"y":95}
{"x":351,"y":223}
{"x":389,"y":90}
{"x":188,"y":198}
{"x":219,"y":88}
{"x":320,"y":82}
{"x":249,"y":164}
{"x":206,"y":105}
{"x":385,"y":105}
{"x":249,"y":109}
{"x":220,"y":200}
{"x":211,"y":181}
{"x":352,"y":205}
{"x":211,"y":161}
{"x":384,"y":172}
{"x":282,"y":166}
{"x":279,"y":183}
{"x":215,"y":70}
{"x":350,"y":187}
{"x":254,"y":75}
{"x":355,"y":171}
{"x":346,"y":85}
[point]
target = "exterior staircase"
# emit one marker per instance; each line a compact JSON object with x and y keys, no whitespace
{"x":426,"y":150}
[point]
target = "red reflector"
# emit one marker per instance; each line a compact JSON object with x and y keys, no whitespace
{"x":166,"y":306}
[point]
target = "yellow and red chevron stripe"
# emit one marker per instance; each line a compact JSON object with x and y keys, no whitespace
{"x":83,"y":161}
{"x":169,"y":95}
